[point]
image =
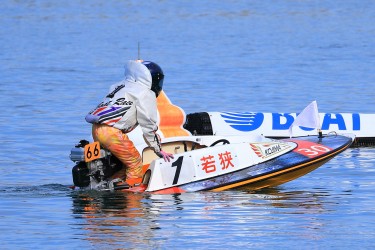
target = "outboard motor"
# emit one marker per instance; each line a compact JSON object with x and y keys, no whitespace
{"x":93,"y":174}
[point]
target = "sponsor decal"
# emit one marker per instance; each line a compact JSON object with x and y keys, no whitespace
{"x":243,"y":121}
{"x":267,"y":150}
{"x":282,"y":121}
{"x":273,"y":149}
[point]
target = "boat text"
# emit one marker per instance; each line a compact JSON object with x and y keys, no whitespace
{"x":272,"y":150}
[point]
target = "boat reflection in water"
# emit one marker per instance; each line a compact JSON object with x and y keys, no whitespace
{"x":133,"y":220}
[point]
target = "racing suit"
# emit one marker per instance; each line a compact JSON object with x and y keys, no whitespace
{"x":128,"y":104}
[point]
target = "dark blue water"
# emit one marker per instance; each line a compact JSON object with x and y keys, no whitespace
{"x":59,"y":57}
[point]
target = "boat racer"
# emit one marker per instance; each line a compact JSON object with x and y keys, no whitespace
{"x":129,"y":103}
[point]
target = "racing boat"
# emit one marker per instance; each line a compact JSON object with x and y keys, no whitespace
{"x":211,"y":163}
{"x":207,"y":160}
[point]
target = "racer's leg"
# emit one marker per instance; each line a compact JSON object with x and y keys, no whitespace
{"x":119,"y":144}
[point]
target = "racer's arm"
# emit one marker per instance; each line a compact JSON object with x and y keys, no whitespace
{"x":147,"y":119}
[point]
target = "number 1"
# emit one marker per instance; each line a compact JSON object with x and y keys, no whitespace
{"x":178,"y":164}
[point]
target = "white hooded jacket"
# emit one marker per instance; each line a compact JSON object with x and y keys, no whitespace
{"x":129,"y":103}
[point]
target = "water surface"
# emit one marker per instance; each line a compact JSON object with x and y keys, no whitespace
{"x":59,"y":57}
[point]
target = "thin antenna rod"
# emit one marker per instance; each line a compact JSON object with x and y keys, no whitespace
{"x":139,"y":52}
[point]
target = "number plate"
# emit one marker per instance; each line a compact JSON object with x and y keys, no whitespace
{"x":92,"y":151}
{"x":311,"y":149}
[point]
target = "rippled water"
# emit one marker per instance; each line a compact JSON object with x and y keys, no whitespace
{"x":59,"y":57}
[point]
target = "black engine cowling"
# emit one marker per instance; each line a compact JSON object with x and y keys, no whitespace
{"x":80,"y":173}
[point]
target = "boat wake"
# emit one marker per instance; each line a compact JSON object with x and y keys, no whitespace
{"x":36,"y":191}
